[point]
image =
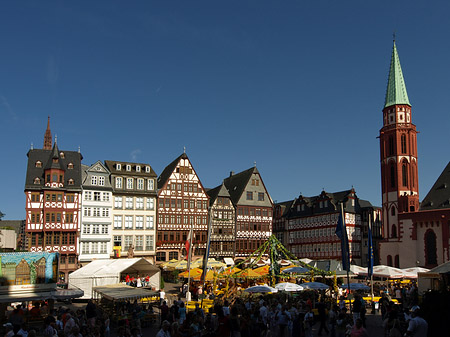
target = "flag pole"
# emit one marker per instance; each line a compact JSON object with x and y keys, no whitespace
{"x":370,"y":261}
{"x":347,"y":252}
{"x":208,"y":246}
{"x":188,"y":293}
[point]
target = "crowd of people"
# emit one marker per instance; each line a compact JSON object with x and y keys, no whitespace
{"x":137,"y":281}
{"x":285,"y":316}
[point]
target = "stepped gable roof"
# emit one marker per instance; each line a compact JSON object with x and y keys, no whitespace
{"x":439,"y":195}
{"x":396,"y":87}
{"x":219,"y":191}
{"x":168,"y":170}
{"x":236,"y":183}
{"x":44,"y":156}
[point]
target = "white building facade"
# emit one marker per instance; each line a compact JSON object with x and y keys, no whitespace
{"x":96,"y":215}
{"x":133,"y":209}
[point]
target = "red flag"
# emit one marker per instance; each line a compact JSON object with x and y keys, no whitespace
{"x":187,"y":245}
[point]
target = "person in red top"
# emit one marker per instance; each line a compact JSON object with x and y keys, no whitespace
{"x":127,"y":279}
{"x":35,"y":312}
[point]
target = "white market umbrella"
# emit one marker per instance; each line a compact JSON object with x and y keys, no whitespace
{"x":261,"y":289}
{"x":296,"y":270}
{"x":412,"y":272}
{"x":356,"y":286}
{"x":315,"y":285}
{"x":387,"y":272}
{"x":288,"y":286}
{"x":357,"y":270}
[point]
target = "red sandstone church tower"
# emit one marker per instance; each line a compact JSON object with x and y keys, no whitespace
{"x":398,"y":152}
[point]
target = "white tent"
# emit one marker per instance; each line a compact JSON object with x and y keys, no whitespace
{"x":106,"y":272}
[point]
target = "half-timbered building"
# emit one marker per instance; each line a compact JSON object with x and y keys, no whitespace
{"x":222,"y":223}
{"x":52,"y":191}
{"x":253,"y":210}
{"x":134,"y":209}
{"x":312,"y":225}
{"x":96,"y":213}
{"x":182,"y":205}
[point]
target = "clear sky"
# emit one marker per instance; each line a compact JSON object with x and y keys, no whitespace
{"x":295,"y":86}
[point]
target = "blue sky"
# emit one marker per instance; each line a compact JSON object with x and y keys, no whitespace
{"x":297,"y":86}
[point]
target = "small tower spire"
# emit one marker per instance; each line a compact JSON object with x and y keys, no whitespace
{"x":396,"y":89}
{"x":48,"y":136}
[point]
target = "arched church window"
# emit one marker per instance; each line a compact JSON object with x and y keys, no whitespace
{"x":392,"y":176}
{"x":394,"y":231}
{"x":397,"y":261}
{"x":403,"y":143}
{"x":389,"y":260}
{"x":430,"y":248}
{"x":405,"y":174}
{"x":391,"y":145}
{"x":393,"y":211}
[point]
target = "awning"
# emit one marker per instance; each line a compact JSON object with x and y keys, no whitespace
{"x":58,"y":294}
{"x":229,"y":261}
{"x":121,"y":291}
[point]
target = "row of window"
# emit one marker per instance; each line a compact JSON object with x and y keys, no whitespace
{"x":97,"y":196}
{"x":128,"y":168}
{"x":134,"y":203}
{"x":248,"y":245}
{"x":95,"y":229}
{"x":161,"y":256}
{"x":133,"y":222}
{"x":96,"y":212}
{"x":222,"y":247}
{"x":187,"y":219}
{"x":264,"y":227}
{"x":254,"y":211}
{"x":52,"y":217}
{"x":70,"y":197}
{"x":333,"y":248}
{"x":98,"y":180}
{"x":137,"y":241}
{"x":224,"y":215}
{"x":53,"y":238}
{"x":175,"y":203}
{"x":131,"y":182}
{"x":260,"y":195}
{"x":329,"y":232}
{"x":94,"y":247}
{"x":180,"y":236}
{"x":185,"y":187}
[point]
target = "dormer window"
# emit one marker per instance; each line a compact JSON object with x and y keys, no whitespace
{"x":61,"y":154}
{"x":37,"y":181}
{"x":70,"y":166}
{"x":55,"y":160}
{"x":147,"y":169}
{"x":118,"y":167}
{"x":38,"y":163}
{"x":138,"y":168}
{"x":70,"y":182}
{"x":128,"y":168}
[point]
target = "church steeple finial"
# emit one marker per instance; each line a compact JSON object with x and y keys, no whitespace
{"x":396,"y":87}
{"x":48,"y":136}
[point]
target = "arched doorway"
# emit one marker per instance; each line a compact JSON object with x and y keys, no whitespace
{"x":430,"y":248}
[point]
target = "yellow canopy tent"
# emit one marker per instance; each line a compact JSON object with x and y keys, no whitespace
{"x":196,"y":272}
{"x":264,"y":270}
{"x":247,"y":273}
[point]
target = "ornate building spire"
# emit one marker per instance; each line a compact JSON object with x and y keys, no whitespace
{"x":48,"y":136}
{"x":396,"y":88}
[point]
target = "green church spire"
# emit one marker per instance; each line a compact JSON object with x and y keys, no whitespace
{"x":396,"y":88}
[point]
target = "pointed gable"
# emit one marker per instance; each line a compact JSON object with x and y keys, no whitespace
{"x":439,"y":195}
{"x":219,"y":191}
{"x":247,"y":182}
{"x":168,"y":170}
